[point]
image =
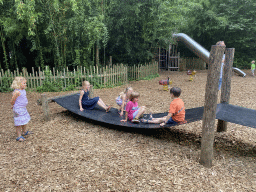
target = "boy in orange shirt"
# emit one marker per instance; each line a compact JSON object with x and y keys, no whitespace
{"x":176,"y":111}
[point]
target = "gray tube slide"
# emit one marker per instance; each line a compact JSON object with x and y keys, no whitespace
{"x":239,"y":72}
{"x":199,"y":50}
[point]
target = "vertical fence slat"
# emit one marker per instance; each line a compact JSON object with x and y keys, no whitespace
{"x":102,"y":76}
{"x":31,"y":83}
{"x":33,"y":76}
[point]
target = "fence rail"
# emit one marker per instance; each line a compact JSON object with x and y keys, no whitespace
{"x":192,"y":63}
{"x":98,"y":76}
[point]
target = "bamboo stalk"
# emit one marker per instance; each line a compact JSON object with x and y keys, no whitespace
{"x":101,"y":75}
{"x":31,"y":85}
{"x":53,"y":71}
{"x":33,"y":75}
{"x":91,"y":73}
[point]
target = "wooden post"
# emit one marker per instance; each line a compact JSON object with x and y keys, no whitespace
{"x":45,"y":107}
{"x":211,"y":95}
{"x":91,"y":91}
{"x":226,"y":84}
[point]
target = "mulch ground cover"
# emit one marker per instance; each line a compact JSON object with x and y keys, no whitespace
{"x":71,"y":153}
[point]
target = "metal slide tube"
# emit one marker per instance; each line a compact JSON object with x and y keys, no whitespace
{"x":195,"y":47}
{"x":199,"y":50}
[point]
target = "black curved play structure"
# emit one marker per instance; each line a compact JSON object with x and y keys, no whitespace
{"x":225,"y":112}
{"x":70,"y":103}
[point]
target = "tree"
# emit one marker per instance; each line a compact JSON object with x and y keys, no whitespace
{"x":135,"y":26}
{"x":231,"y":21}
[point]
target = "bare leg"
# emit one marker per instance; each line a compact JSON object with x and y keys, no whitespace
{"x":23,"y":129}
{"x":103,"y":105}
{"x":18,"y":131}
{"x":155,"y":120}
{"x":141,"y":111}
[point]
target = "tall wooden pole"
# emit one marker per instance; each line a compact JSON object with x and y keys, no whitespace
{"x":226,"y":84}
{"x":211,"y":95}
{"x":45,"y":107}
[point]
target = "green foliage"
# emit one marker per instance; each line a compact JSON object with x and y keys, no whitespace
{"x":6,"y":84}
{"x":241,"y":63}
{"x":48,"y":85}
{"x":136,"y":26}
{"x":67,"y":33}
{"x":231,"y":21}
{"x":151,"y":77}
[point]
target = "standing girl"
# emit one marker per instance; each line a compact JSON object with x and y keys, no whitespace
{"x":123,"y":99}
{"x":19,"y":103}
{"x":86,"y":103}
{"x":253,"y":67}
{"x":133,"y":112}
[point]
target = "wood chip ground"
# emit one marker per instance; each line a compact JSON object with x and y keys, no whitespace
{"x":70,"y":153}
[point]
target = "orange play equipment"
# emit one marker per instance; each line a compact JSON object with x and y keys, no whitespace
{"x":166,"y":83}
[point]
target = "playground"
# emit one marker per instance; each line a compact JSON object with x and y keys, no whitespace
{"x":72,"y":153}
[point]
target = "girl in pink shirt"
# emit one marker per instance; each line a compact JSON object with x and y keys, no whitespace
{"x":133,"y":112}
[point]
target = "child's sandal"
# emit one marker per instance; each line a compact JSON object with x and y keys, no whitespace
{"x":145,"y":121}
{"x":135,"y":120}
{"x":28,"y":133}
{"x":20,"y":139}
{"x":108,"y":109}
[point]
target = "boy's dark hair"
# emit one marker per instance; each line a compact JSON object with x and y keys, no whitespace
{"x":176,"y":91}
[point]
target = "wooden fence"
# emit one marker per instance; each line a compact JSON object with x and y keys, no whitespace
{"x":142,"y":71}
{"x":191,"y":63}
{"x":98,"y":76}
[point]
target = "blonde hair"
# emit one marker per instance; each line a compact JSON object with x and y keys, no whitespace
{"x":16,"y":84}
{"x":134,"y":95}
{"x":125,"y":91}
{"x":253,"y":61}
{"x":85,"y":83}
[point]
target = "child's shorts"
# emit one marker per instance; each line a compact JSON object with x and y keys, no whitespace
{"x":119,"y":101}
{"x":253,"y":70}
{"x":135,"y":113}
{"x":171,"y":122}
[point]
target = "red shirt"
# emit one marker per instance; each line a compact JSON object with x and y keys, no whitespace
{"x":177,"y":108}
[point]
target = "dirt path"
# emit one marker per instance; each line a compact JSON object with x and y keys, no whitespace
{"x":70,"y":153}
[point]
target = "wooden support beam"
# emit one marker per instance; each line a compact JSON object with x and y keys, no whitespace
{"x":45,"y":107}
{"x":211,"y":95}
{"x":226,"y":84}
{"x":39,"y":101}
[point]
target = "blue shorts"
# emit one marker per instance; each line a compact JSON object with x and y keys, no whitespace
{"x":171,"y":122}
{"x":135,"y":113}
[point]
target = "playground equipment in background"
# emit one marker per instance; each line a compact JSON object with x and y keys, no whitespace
{"x":166,"y":84}
{"x":200,"y":51}
{"x":192,"y":74}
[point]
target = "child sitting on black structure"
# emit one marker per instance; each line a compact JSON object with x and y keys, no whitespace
{"x":133,"y":111}
{"x":176,"y":113}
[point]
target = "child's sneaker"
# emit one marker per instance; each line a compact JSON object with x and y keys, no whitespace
{"x":136,"y":120}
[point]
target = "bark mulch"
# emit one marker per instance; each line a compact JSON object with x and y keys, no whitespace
{"x":71,"y":153}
